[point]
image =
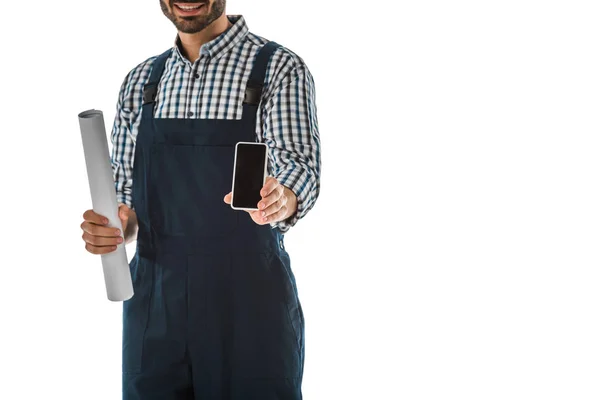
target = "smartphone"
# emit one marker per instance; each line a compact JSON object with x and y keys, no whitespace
{"x":249,"y":174}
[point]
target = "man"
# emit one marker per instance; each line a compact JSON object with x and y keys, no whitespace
{"x":215,"y":314}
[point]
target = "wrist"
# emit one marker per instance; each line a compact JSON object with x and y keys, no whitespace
{"x":292,"y":202}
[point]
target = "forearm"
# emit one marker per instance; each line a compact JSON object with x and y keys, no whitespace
{"x":294,"y":145}
{"x":122,"y":157}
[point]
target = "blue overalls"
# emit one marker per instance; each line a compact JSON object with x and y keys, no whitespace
{"x":215,"y":314}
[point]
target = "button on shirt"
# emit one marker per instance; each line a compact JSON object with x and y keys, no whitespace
{"x":213,"y":87}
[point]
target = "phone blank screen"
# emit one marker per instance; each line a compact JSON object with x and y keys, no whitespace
{"x":249,"y":171}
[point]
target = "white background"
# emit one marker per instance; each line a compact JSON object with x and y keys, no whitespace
{"x":453,"y":252}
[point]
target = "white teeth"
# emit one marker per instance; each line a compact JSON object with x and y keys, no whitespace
{"x":188,"y":8}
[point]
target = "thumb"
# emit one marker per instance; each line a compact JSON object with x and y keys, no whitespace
{"x":124,"y":212}
{"x":124,"y":216}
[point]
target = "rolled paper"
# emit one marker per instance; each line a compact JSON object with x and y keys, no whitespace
{"x":117,"y":275}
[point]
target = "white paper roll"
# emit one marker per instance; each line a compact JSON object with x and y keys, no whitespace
{"x":117,"y":276}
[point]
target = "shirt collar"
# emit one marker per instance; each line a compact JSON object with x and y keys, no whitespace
{"x":222,"y":43}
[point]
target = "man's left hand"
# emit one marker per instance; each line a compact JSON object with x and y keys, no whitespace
{"x":277,"y":204}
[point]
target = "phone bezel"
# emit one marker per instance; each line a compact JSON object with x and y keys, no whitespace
{"x":234,"y":167}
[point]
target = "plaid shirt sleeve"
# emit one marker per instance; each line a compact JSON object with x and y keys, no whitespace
{"x":122,"y":148}
{"x":290,"y":130}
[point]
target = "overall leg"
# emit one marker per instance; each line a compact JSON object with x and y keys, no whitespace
{"x":268,"y":336}
{"x":246,"y":341}
{"x":155,"y":366}
{"x":210,"y":325}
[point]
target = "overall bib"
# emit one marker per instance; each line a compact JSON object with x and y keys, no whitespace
{"x":215,"y":314}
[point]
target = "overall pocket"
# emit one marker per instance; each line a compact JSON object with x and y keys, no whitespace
{"x":188,"y":183}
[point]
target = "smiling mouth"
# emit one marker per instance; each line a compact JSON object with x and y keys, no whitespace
{"x":189,"y":9}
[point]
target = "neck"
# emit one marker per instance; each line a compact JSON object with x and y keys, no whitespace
{"x":191,"y":42}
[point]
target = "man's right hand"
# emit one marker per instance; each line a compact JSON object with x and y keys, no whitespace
{"x":100,"y":238}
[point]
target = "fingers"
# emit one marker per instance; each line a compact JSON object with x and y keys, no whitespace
{"x":99,"y":241}
{"x":267,"y":202}
{"x":99,"y":250}
{"x":99,"y":230}
{"x":100,"y":244}
{"x":97,"y":244}
{"x":270,"y":184}
{"x":98,"y":237}
{"x":278,"y":215}
{"x":271,"y":213}
{"x":271,"y":205}
{"x":92,"y":216}
{"x":256,"y":217}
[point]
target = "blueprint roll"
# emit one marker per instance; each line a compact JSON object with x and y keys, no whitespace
{"x":117,"y":276}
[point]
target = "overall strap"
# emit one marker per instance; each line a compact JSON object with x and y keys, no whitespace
{"x":151,"y":87}
{"x":257,"y":76}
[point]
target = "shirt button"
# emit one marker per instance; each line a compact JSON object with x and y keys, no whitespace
{"x":190,"y":113}
{"x":281,"y":244}
{"x":196,"y":76}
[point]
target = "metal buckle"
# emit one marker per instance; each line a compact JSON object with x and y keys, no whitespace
{"x":252,"y":95}
{"x":149,"y":93}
